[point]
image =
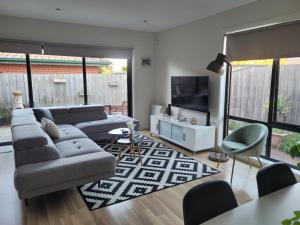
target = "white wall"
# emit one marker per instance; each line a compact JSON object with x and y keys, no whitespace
{"x":142,"y":42}
{"x":187,"y":50}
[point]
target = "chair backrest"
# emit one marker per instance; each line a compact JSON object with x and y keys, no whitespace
{"x":206,"y":201}
{"x":250,"y":133}
{"x":273,"y":178}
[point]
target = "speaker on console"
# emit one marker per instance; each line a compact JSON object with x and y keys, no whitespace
{"x":169,"y":110}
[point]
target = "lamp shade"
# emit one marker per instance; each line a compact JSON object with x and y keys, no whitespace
{"x":216,"y":66}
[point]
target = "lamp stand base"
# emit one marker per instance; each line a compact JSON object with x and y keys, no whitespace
{"x":218,"y":157}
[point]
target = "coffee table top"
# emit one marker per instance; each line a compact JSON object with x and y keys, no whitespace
{"x":119,"y":131}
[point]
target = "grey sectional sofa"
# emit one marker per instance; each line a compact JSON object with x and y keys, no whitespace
{"x":45,"y":165}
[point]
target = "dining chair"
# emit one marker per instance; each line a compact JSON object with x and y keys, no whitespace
{"x":206,"y":201}
{"x":248,"y":141}
{"x":273,"y":178}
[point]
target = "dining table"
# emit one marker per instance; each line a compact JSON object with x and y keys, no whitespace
{"x":270,"y":209}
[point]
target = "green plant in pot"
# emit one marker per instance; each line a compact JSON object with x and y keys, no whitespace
{"x":295,"y":220}
{"x":4,"y":114}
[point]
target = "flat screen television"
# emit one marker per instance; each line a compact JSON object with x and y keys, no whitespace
{"x":190,"y":92}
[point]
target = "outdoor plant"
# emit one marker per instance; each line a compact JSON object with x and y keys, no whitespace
{"x":4,"y":114}
{"x":288,"y":142}
{"x":283,"y":107}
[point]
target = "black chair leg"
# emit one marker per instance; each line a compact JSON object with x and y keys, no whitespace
{"x":232,"y":169}
{"x":26,"y":201}
{"x":99,"y":183}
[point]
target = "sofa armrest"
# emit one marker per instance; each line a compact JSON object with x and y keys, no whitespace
{"x":43,"y":174}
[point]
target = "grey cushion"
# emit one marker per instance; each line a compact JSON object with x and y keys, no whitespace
{"x":28,"y":136}
{"x":38,"y":175}
{"x":41,"y":113}
{"x":68,"y":132}
{"x":78,"y":114}
{"x":22,"y":112}
{"x":23,"y":120}
{"x":98,"y":126}
{"x":86,"y":108}
{"x":76,"y":147}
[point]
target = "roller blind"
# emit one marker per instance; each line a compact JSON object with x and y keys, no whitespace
{"x":87,"y":51}
{"x":16,"y":46}
{"x":276,"y":41}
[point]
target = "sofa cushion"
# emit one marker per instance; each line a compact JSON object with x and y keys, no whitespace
{"x":56,"y":172}
{"x":23,"y":120}
{"x":78,"y":114}
{"x":68,"y":132}
{"x":50,"y":128}
{"x":100,"y":126}
{"x":22,"y":112}
{"x":76,"y":147}
{"x":28,"y":136}
{"x":41,"y":113}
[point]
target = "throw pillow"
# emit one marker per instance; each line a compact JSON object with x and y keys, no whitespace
{"x":40,"y":113}
{"x":50,"y":128}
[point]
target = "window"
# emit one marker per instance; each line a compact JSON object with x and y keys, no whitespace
{"x":107,"y":83}
{"x":250,"y":88}
{"x":282,"y":141}
{"x":13,"y":91}
{"x":288,"y":99}
{"x":56,"y":80}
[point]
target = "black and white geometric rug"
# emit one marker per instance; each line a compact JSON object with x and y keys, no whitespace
{"x":162,"y":167}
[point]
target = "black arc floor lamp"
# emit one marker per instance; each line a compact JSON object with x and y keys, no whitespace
{"x":216,"y":66}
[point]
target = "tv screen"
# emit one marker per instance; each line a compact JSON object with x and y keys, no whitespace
{"x":190,"y":92}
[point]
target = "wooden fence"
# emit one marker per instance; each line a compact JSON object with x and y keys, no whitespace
{"x":64,"y":89}
{"x":250,"y":91}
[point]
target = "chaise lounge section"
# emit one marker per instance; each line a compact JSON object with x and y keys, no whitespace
{"x":45,"y":164}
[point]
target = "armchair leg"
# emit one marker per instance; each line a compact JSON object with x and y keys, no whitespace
{"x":26,"y":201}
{"x":261,"y":166}
{"x":249,"y":162}
{"x":219,"y":159}
{"x":232,"y":169}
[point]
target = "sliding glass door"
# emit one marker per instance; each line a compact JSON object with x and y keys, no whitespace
{"x":13,"y":89}
{"x":56,"y":80}
{"x":107,"y":83}
{"x":267,"y":92}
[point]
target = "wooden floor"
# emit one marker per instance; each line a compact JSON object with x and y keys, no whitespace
{"x":160,"y":208}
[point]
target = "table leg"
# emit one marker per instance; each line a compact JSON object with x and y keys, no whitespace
{"x":111,"y":144}
{"x":139,"y":152}
{"x":120,"y":154}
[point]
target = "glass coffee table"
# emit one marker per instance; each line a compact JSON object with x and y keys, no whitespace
{"x":121,"y":136}
{"x":117,"y":134}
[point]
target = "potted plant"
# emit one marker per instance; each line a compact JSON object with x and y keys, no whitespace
{"x":295,"y":220}
{"x":4,"y":114}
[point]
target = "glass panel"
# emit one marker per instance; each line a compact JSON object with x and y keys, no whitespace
{"x":250,"y":89}
{"x":235,"y":124}
{"x":13,"y":89}
{"x":288,"y":103}
{"x":282,"y":141}
{"x":56,"y":80}
{"x":107,"y":83}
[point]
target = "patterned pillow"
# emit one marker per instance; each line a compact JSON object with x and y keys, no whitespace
{"x":50,"y":128}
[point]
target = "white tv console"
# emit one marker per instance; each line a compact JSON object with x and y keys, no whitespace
{"x":192,"y":137}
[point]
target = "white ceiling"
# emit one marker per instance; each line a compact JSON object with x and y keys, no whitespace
{"x":128,"y":14}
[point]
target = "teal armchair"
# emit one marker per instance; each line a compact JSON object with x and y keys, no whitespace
{"x":248,"y":141}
